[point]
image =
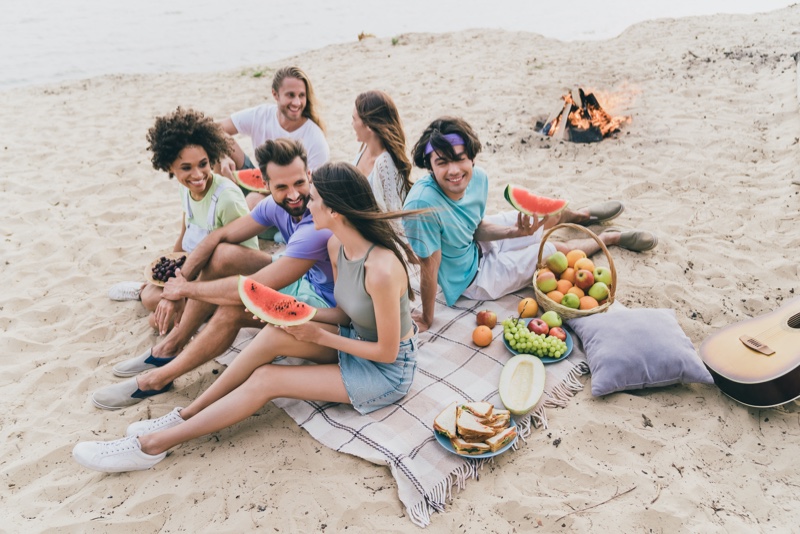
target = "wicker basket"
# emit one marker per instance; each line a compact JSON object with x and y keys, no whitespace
{"x":548,"y":304}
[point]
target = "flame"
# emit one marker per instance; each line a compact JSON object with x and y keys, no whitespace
{"x":586,"y":113}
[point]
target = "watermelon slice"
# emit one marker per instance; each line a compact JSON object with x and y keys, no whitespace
{"x":251,"y":180}
{"x":530,"y":204}
{"x":273,"y":306}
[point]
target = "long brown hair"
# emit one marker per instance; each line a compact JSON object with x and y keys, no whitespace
{"x":345,"y":190}
{"x":310,"y":111}
{"x":377,"y":110}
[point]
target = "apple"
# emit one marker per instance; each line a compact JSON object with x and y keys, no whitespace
{"x":551,"y":318}
{"x":557,"y":262}
{"x":584,"y":279}
{"x":599,"y":291}
{"x":537,"y":326}
{"x":546,"y":282}
{"x":584,"y":263}
{"x":487,"y":318}
{"x":602,"y":274}
{"x":571,"y":300}
{"x":558,"y":332}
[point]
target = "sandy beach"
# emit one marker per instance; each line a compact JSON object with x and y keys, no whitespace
{"x":707,"y":163}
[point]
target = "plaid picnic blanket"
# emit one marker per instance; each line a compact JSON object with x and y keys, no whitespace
{"x":450,"y":368}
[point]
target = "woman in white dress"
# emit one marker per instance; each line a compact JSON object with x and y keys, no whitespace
{"x":382,"y":158}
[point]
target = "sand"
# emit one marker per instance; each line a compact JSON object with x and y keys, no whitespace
{"x":707,"y":163}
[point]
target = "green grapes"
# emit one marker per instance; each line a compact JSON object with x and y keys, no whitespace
{"x":519,"y":338}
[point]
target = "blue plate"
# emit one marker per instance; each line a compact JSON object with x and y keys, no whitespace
{"x":444,"y":441}
{"x":546,"y":359}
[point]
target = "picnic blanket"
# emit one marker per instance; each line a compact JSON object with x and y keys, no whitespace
{"x":450,"y":368}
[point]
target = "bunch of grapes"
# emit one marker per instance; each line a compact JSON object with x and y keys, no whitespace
{"x":164,"y":269}
{"x":519,"y":338}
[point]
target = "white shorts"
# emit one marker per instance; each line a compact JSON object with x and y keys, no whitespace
{"x":507,"y":265}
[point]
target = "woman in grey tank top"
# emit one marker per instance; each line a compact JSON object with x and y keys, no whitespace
{"x":369,"y":370}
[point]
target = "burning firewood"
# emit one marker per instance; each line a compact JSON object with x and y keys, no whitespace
{"x":581,"y":119}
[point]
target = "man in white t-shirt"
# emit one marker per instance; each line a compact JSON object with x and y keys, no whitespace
{"x":295,"y":116}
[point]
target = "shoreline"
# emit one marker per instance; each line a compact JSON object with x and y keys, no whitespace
{"x":707,"y":163}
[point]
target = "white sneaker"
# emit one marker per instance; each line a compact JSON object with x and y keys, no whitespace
{"x":125,"y":291}
{"x":148,"y":426}
{"x":115,"y":456}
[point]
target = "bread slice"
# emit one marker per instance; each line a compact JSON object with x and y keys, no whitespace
{"x":499,"y":422}
{"x":468,"y":447}
{"x":502,"y":439}
{"x":445,"y":422}
{"x":479,"y":409}
{"x":469,"y":427}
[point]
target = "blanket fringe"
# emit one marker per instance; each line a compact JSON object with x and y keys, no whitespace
{"x":441,"y":493}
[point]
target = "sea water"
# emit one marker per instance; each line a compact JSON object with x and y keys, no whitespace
{"x":45,"y":41}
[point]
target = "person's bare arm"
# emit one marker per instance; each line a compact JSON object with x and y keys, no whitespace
{"x":179,"y":243}
{"x":237,"y":154}
{"x":429,"y":282}
{"x":525,"y":226}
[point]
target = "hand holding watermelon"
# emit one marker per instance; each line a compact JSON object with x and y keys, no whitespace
{"x":527,"y":225}
{"x":306,"y":332}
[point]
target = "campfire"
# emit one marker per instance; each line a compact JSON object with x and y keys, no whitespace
{"x":580,"y":119}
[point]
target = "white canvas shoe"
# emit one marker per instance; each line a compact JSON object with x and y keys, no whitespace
{"x":115,"y":456}
{"x":125,"y":291}
{"x":148,"y":426}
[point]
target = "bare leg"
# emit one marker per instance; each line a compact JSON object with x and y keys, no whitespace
{"x":150,"y":296}
{"x":263,"y":349}
{"x":313,"y":382}
{"x":588,"y":245}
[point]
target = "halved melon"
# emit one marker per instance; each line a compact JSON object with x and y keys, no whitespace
{"x":522,"y":383}
{"x":530,"y":204}
{"x":251,"y":180}
{"x":273,"y":306}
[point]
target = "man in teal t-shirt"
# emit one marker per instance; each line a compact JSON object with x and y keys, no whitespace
{"x":464,"y":251}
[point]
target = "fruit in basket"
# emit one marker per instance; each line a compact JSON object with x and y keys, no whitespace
{"x":546,"y":282}
{"x":527,"y":308}
{"x":530,"y":204}
{"x":482,"y":336}
{"x":521,"y":383}
{"x":584,"y":279}
{"x":558,"y":332}
{"x":487,"y":318}
{"x":602,"y":274}
{"x":563,"y":286}
{"x":557,"y":262}
{"x":568,"y":275}
{"x":555,"y":296}
{"x":575,"y":290}
{"x":272,"y":306}
{"x":587,"y":303}
{"x":573,"y":256}
{"x":584,"y":263}
{"x":571,"y":300}
{"x":599,"y":291}
{"x":552,"y":318}
{"x":537,"y":326}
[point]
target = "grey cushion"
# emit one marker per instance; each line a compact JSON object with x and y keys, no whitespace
{"x":637,"y":348}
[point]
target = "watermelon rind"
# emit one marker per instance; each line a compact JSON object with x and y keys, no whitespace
{"x":251,"y":180}
{"x":271,"y":316}
{"x":556,"y":205}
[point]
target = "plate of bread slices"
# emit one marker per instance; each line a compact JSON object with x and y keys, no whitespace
{"x":475,"y":429}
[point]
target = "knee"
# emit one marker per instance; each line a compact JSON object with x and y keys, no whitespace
{"x":150,"y":296}
{"x":233,"y":316}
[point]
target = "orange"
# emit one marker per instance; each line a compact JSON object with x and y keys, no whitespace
{"x":576,"y":290}
{"x":587,"y":303}
{"x":527,"y":308}
{"x":573,"y":256}
{"x":555,"y":296}
{"x":569,"y":274}
{"x":584,"y":263}
{"x":563,"y":286}
{"x":482,"y":336}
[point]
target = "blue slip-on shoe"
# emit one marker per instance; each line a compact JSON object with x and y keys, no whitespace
{"x":123,"y":394}
{"x":141,"y":363}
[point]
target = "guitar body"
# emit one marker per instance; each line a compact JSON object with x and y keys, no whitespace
{"x":757,"y":361}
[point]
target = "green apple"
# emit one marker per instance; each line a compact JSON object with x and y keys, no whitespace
{"x":546,"y":282}
{"x":598,"y":291}
{"x":557,"y":262}
{"x":602,"y":274}
{"x":571,"y":300}
{"x":551,"y":318}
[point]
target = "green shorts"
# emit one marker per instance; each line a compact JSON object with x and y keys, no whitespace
{"x":303,"y":291}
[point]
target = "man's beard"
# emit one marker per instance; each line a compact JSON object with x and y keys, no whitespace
{"x":295,"y":212}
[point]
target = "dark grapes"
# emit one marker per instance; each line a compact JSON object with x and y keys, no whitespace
{"x":165,"y":268}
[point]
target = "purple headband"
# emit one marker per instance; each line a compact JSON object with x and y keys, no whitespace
{"x":452,"y":138}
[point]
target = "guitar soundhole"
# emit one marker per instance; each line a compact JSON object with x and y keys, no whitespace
{"x":794,"y":321}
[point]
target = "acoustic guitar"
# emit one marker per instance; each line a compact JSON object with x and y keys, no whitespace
{"x":757,"y":361}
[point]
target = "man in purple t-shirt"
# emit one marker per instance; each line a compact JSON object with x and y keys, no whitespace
{"x":303,"y":271}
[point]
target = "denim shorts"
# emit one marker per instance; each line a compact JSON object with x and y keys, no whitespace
{"x":373,"y":385}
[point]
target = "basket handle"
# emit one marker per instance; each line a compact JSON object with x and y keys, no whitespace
{"x":539,"y":264}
